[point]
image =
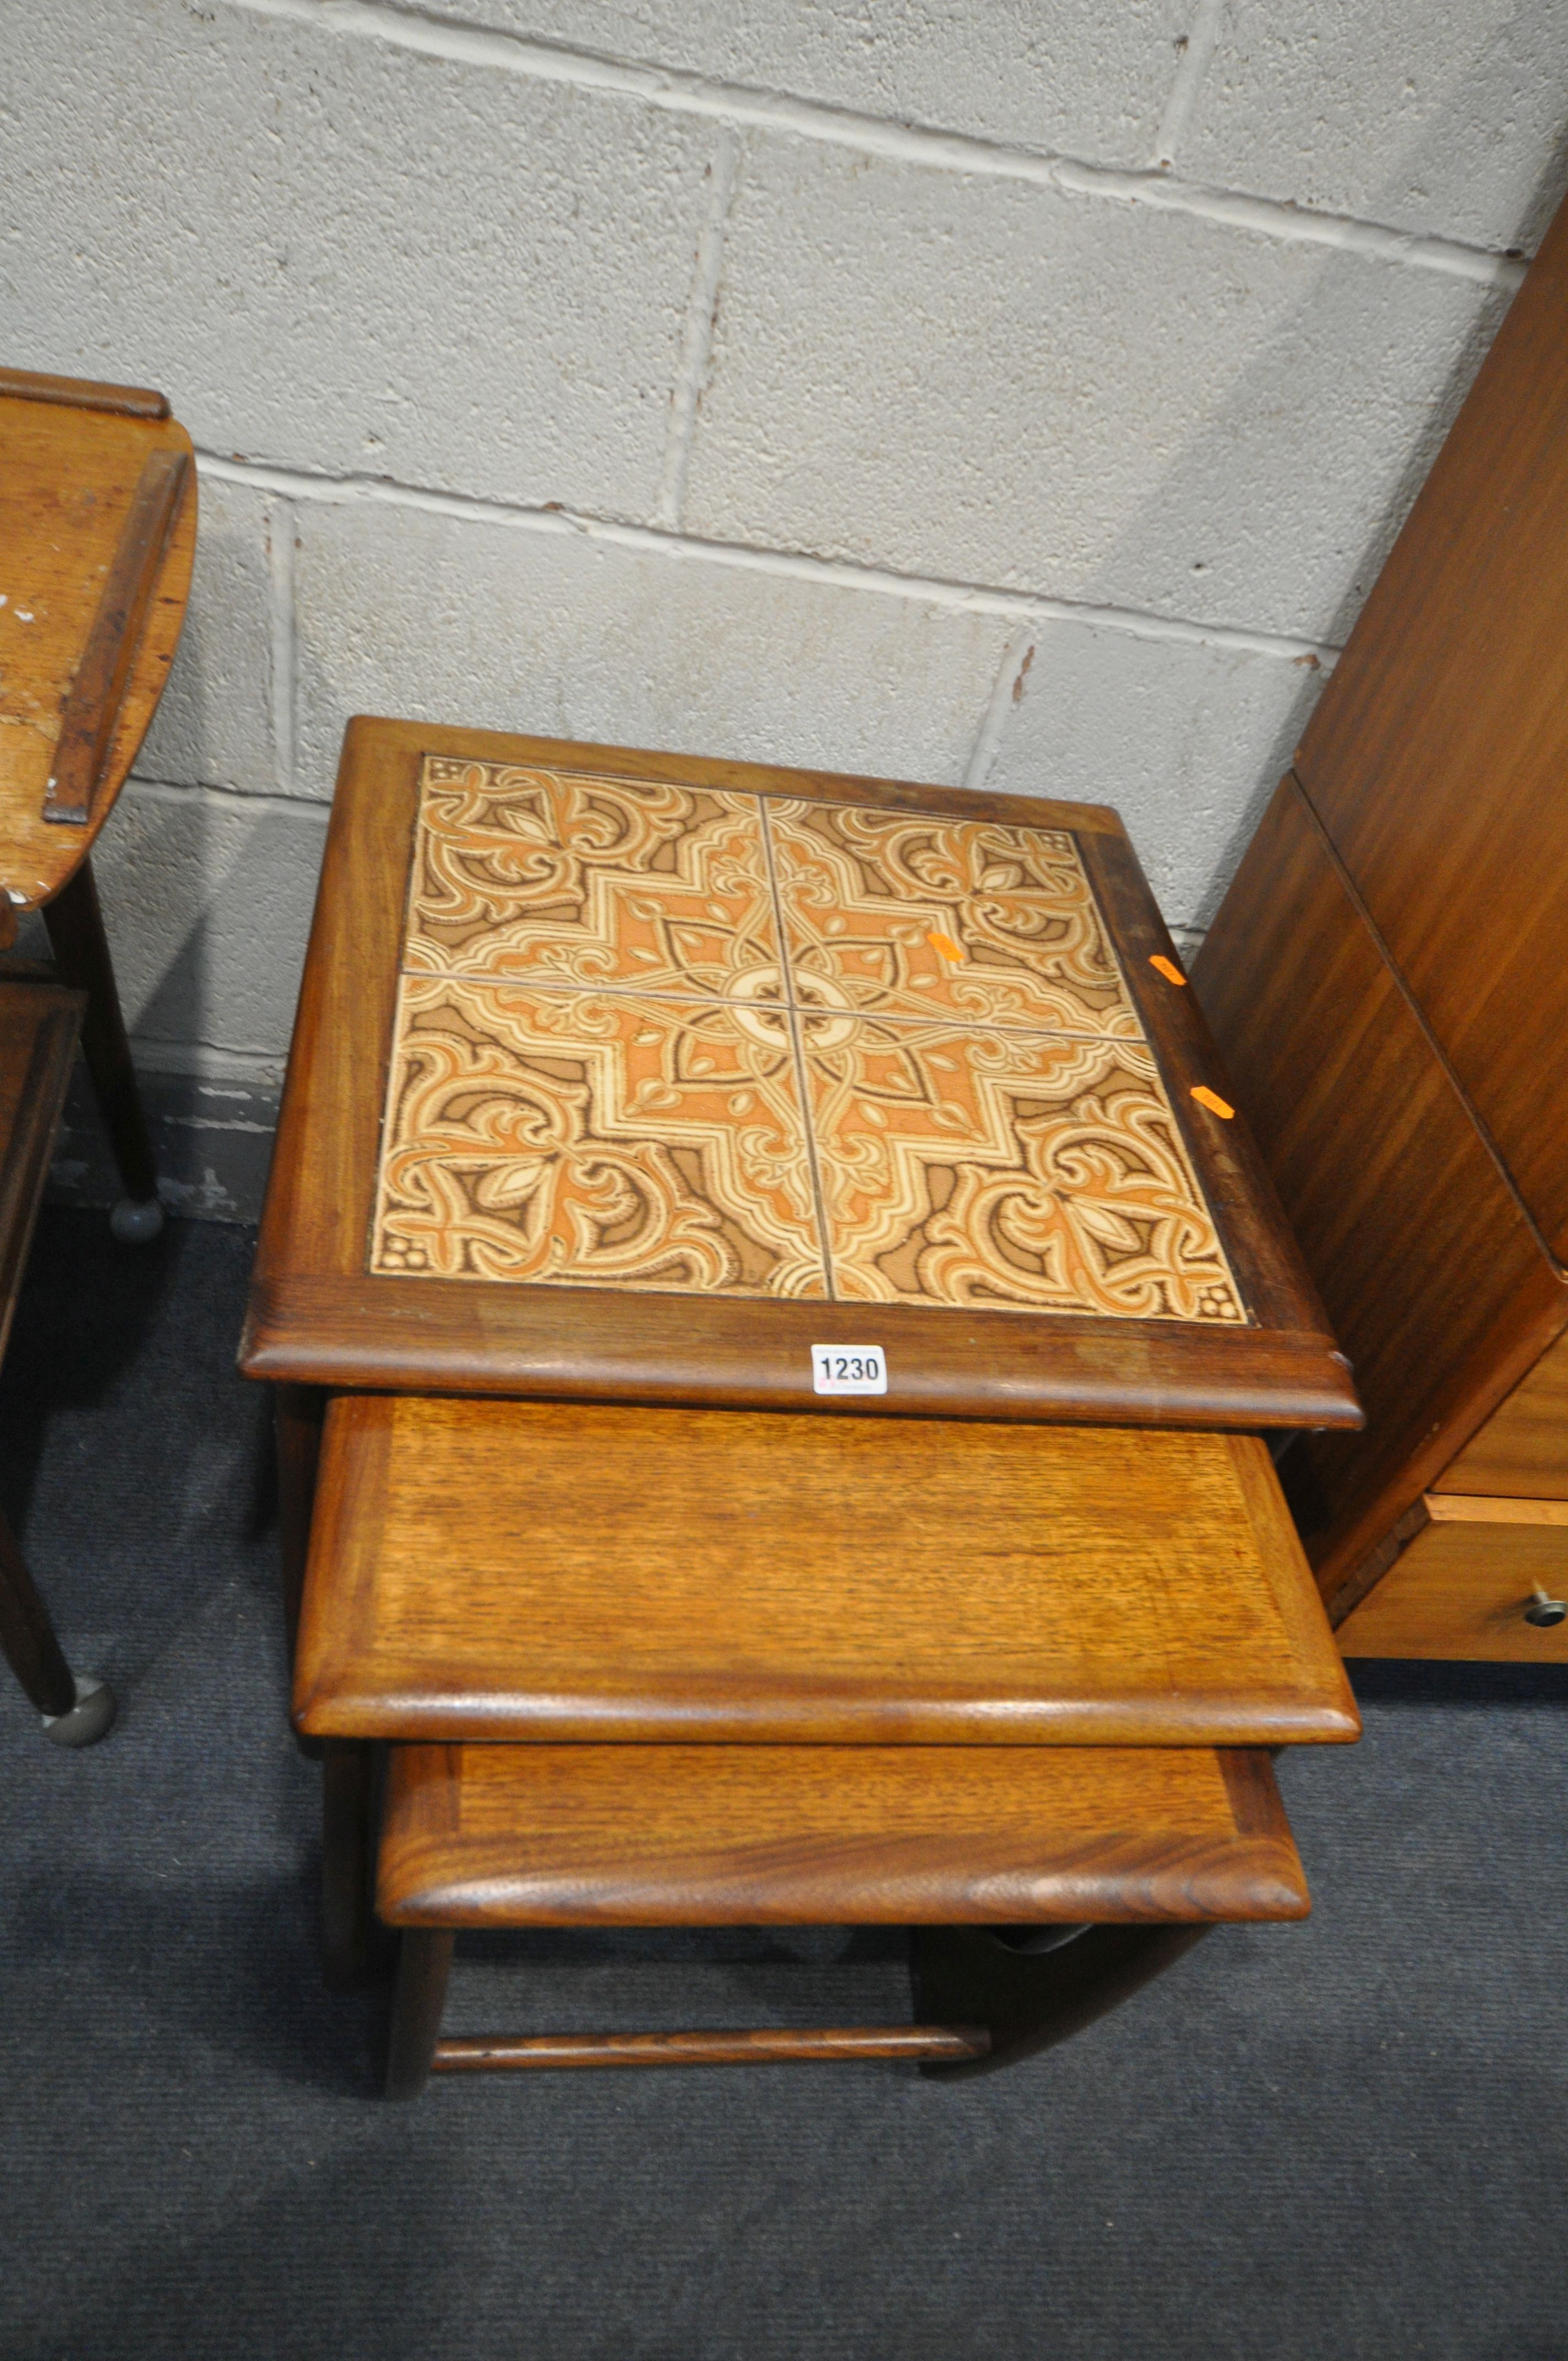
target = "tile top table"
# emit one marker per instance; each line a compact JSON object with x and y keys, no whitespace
{"x":632,"y":1076}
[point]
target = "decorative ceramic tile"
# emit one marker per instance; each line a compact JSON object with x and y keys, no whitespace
{"x":1009,"y":1171}
{"x":561,"y":878}
{"x":594,"y":1139}
{"x":973,"y":921}
{"x":604,"y":1073}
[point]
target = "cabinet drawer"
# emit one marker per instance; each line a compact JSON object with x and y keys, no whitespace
{"x":1461,"y":1587}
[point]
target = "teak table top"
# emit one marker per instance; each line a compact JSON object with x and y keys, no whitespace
{"x":707,"y":1836}
{"x":71,"y":458}
{"x":577,"y":1570}
{"x":633,"y":1075}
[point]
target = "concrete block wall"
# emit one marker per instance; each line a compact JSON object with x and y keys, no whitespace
{"x":1021,"y":394}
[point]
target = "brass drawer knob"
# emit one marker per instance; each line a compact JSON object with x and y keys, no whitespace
{"x":1543,"y":1612}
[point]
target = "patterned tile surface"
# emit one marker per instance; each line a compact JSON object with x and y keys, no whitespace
{"x":595,"y":1139}
{"x":1017,"y":1171}
{"x":964,"y":919}
{"x":660,"y":1036}
{"x":556,"y":877}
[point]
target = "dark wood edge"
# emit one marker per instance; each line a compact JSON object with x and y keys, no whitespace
{"x":93,"y":705}
{"x":1364,"y":1579}
{"x":82,"y":393}
{"x":349,"y":1514}
{"x":299,"y":1417}
{"x":1250,"y":1880}
{"x":417,"y":739}
{"x":55,"y":1015}
{"x":423,"y":1796}
{"x":343,"y":1006}
{"x":419,"y":2005}
{"x":1253,"y":1875}
{"x":1254,"y":1797}
{"x":1273,"y":1277}
{"x":452,"y":1337}
{"x":1290,"y":1577}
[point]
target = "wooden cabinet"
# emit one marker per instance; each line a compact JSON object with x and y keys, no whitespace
{"x":1388,"y":979}
{"x":1476,"y":1577}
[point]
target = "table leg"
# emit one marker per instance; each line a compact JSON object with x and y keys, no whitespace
{"x":1031,"y":2001}
{"x":27,"y":1635}
{"x":75,"y":923}
{"x":297,"y":1414}
{"x":419,"y":1996}
{"x":348,"y":1770}
{"x":77,"y":1712}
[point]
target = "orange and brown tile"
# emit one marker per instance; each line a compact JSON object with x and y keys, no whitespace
{"x":594,"y":1139}
{"x":1006,"y":1171}
{"x":910,"y":915}
{"x":596,"y":1079}
{"x":564,"y":877}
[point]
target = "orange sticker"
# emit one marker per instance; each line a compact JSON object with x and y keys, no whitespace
{"x":946,"y":945}
{"x":1168,"y":968}
{"x":1211,"y":1100}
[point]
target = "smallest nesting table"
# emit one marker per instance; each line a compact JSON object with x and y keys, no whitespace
{"x":796,"y":1303}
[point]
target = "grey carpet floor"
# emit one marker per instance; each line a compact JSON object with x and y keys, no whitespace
{"x":1343,"y":2139}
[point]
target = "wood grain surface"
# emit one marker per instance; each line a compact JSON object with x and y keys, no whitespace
{"x":1434,"y":1279}
{"x":317,"y":1317}
{"x":1523,"y":1447}
{"x":1459,"y":1589}
{"x":93,"y":705}
{"x":545,"y":1570}
{"x":478,"y":1836}
{"x":442,"y":1334}
{"x":68,"y":480}
{"x":1436,"y":757}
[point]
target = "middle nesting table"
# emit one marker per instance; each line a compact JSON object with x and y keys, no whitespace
{"x":567,"y":1571}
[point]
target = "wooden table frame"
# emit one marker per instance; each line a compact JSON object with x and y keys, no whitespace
{"x":986,"y":1994}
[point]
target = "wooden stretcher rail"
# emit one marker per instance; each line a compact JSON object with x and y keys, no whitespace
{"x":787,"y":2045}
